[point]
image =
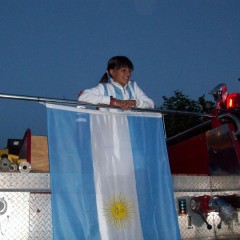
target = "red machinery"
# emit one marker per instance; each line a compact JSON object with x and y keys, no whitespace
{"x":212,"y":148}
{"x":225,"y":205}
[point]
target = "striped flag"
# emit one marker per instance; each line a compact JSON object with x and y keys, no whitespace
{"x":110,"y":176}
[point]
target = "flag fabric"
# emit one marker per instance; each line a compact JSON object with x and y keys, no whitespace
{"x":110,"y":176}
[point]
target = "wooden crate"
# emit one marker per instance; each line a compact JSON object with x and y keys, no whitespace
{"x":39,"y":153}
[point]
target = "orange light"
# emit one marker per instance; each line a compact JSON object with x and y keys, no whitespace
{"x":233,"y":101}
{"x":182,"y":206}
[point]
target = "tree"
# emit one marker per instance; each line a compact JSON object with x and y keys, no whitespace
{"x":175,"y":124}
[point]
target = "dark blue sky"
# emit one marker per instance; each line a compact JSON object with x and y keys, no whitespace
{"x":54,"y":48}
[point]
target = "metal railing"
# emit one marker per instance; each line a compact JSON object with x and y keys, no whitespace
{"x":89,"y":105}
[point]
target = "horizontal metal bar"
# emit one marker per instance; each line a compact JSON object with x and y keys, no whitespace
{"x":80,"y":103}
{"x":185,"y":113}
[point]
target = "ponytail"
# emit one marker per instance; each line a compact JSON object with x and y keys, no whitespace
{"x":104,"y":78}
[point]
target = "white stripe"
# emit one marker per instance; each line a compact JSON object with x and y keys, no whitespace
{"x":111,"y":90}
{"x":114,"y":175}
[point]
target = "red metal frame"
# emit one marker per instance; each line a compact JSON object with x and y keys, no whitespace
{"x":25,"y":149}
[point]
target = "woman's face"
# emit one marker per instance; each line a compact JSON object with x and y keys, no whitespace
{"x":121,"y":75}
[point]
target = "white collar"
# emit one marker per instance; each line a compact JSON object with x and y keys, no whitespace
{"x":117,"y":84}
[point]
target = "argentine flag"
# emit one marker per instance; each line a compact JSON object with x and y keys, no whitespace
{"x":110,"y":176}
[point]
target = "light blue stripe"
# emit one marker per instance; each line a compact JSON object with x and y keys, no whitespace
{"x":153,"y":179}
{"x":129,"y":92}
{"x":131,"y":83}
{"x":118,"y":93}
{"x":74,"y":211}
{"x":105,"y":89}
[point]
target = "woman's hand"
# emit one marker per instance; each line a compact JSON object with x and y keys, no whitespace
{"x":125,"y":104}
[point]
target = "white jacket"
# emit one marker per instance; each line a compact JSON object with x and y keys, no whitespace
{"x":102,"y":92}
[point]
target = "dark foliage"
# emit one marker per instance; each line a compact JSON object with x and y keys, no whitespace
{"x":179,"y":102}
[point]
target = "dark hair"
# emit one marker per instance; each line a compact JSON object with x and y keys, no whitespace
{"x":116,"y":62}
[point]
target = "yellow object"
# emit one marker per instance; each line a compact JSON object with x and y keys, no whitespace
{"x":3,"y":151}
{"x":13,"y":158}
{"x":19,"y":161}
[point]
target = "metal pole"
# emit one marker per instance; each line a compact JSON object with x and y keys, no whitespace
{"x":78,"y":103}
{"x":36,"y":99}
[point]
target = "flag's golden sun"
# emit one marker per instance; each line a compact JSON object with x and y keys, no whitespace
{"x":118,"y":210}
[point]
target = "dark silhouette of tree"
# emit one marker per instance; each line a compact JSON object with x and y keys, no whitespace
{"x":175,"y":124}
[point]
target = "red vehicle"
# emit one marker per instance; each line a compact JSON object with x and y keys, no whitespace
{"x":210,"y":149}
{"x":213,"y":147}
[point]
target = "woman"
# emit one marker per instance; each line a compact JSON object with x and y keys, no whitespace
{"x":116,"y":88}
